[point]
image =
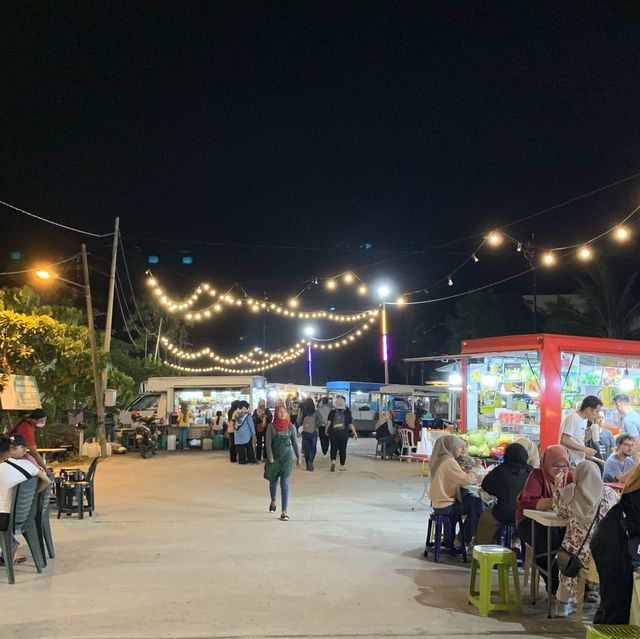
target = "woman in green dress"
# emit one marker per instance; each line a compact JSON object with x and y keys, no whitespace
{"x":281,"y":443}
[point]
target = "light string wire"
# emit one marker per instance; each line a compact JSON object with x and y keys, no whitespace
{"x":63,"y":226}
{"x":32,"y":270}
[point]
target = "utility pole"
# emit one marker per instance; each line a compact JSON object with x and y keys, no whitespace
{"x":97,"y":381}
{"x":157,"y":351}
{"x":106,"y":347}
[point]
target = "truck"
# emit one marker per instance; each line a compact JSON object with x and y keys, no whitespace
{"x":161,"y":396}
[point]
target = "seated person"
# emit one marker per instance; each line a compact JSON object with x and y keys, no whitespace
{"x":504,"y":482}
{"x":466,"y":462}
{"x":606,"y":443}
{"x":533,"y":454}
{"x":12,"y":473}
{"x":446,"y":478}
{"x":537,"y":494}
{"x":387,"y":433}
{"x":618,"y":466}
{"x":19,"y":449}
{"x":584,"y":503}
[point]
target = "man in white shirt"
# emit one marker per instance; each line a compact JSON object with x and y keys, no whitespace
{"x":12,"y":473}
{"x":574,"y":427}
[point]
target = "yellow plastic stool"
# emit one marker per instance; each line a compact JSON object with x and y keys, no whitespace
{"x":613,"y":632}
{"x":485,"y":557}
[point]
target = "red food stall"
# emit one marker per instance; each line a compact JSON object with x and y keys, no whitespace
{"x":526,"y":384}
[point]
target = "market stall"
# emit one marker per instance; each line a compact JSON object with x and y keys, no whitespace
{"x":526,"y":384}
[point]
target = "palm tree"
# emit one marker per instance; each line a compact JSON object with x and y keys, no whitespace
{"x":612,"y":308}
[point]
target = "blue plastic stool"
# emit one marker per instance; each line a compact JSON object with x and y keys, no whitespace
{"x":444,"y":526}
{"x":505,"y":538}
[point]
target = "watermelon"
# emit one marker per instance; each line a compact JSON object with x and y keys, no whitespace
{"x":476,"y":438}
{"x":473,"y":451}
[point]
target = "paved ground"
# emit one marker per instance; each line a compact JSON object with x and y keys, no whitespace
{"x":182,"y":546}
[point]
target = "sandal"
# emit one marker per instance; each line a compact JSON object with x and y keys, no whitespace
{"x":284,"y":517}
{"x":17,"y":560}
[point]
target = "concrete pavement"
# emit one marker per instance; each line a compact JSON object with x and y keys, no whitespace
{"x":182,"y":546}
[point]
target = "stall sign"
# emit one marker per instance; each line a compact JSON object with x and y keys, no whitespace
{"x":20,"y":393}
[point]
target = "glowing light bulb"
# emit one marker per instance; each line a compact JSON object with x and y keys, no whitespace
{"x":348,"y":278}
{"x":475,"y":258}
{"x":621,"y":233}
{"x":331,"y":284}
{"x":585,"y":253}
{"x":548,"y":259}
{"x":293,"y":303}
{"x":494,"y":238}
{"x":450,"y":281}
{"x":362,"y":289}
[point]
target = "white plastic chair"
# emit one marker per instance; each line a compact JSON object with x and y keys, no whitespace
{"x":408,"y":447}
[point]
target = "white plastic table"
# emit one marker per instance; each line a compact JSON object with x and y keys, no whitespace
{"x":549,"y":520}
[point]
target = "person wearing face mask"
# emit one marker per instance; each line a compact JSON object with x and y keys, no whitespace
{"x":26,"y":426}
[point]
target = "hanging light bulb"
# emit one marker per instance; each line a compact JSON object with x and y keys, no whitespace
{"x":494,"y":238}
{"x":293,"y":303}
{"x":449,"y":281}
{"x":475,"y":258}
{"x":348,"y":278}
{"x":519,"y":247}
{"x":585,"y":253}
{"x":331,"y":284}
{"x":362,"y":289}
{"x":621,"y":233}
{"x":548,"y":259}
{"x":626,"y":383}
{"x":401,"y":301}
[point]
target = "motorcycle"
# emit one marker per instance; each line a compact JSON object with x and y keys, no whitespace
{"x":145,"y":434}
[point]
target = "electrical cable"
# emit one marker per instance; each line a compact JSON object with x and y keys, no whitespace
{"x":31,"y":270}
{"x":63,"y":226}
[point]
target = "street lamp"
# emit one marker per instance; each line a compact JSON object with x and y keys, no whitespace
{"x":46,"y":275}
{"x":384,"y":291}
{"x":309,"y":332}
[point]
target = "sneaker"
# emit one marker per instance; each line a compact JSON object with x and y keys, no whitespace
{"x":333,"y":467}
{"x":310,"y":466}
{"x":343,"y":468}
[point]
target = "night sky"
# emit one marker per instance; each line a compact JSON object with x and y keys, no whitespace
{"x":273,"y":141}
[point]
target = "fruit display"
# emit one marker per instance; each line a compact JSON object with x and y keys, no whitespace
{"x":487,"y":443}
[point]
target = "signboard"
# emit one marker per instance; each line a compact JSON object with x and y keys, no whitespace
{"x":20,"y":393}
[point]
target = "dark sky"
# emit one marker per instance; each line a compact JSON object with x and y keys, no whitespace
{"x":315,"y":126}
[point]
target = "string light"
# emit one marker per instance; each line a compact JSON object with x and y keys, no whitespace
{"x":401,"y":301}
{"x":348,"y":278}
{"x":494,"y":238}
{"x":293,"y":303}
{"x":331,"y":285}
{"x":519,"y":247}
{"x":621,"y":233}
{"x":449,"y":281}
{"x":362,"y":289}
{"x":548,"y":258}
{"x":585,"y":253}
{"x":475,"y":258}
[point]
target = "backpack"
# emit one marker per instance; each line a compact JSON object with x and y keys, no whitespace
{"x":309,"y":424}
{"x":339,"y":420}
{"x":294,"y":405}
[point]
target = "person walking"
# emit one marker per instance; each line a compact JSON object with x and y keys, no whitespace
{"x":281,"y":443}
{"x":310,"y":422}
{"x":338,"y":425}
{"x":244,"y":432}
{"x":231,"y":431}
{"x":185,"y":417}
{"x":324,"y":409}
{"x":293,"y":408}
{"x":262,"y":417}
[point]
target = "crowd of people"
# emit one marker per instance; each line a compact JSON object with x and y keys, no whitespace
{"x":570,"y":479}
{"x":272,"y":437}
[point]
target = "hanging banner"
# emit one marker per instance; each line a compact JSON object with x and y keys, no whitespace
{"x":20,"y":393}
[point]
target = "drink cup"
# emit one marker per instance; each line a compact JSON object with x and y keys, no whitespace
{"x":595,"y":432}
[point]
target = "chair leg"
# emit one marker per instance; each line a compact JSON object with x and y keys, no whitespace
{"x":437,"y":541}
{"x":48,"y":538}
{"x":30,"y":533}
{"x":80,"y":499}
{"x":40,"y":533}
{"x":426,"y":544}
{"x":580,"y":597}
{"x":7,"y":553}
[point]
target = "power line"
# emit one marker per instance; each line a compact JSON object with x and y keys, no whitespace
{"x":44,"y":219}
{"x":31,"y":270}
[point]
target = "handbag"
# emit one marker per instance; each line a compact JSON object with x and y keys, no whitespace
{"x":569,"y":563}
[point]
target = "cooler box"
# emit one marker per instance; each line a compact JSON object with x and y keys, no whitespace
{"x":171,"y":442}
{"x":207,"y":444}
{"x":218,"y":442}
{"x":162,"y":442}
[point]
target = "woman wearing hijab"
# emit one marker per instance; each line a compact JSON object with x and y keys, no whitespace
{"x":280,"y":445}
{"x":537,"y":494}
{"x":610,"y":552}
{"x":585,"y":501}
{"x":387,"y":433}
{"x":504,"y":482}
{"x":411,"y":423}
{"x":339,"y":423}
{"x":446,"y":478}
{"x":533,"y":454}
{"x":310,"y":422}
